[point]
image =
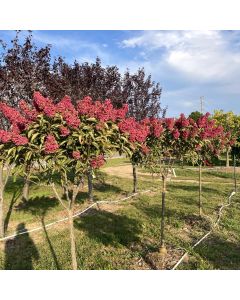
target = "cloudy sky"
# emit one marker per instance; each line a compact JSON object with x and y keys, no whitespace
{"x":188,"y":64}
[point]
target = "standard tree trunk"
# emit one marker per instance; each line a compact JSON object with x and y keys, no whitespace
{"x":90,"y":186}
{"x":227,"y":158}
{"x":234,"y":173}
{"x":72,"y":238}
{"x":1,"y":202}
{"x":162,"y":243}
{"x":134,"y":178}
{"x":1,"y":214}
{"x":25,"y":195}
{"x":200,"y":190}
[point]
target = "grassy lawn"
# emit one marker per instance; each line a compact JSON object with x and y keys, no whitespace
{"x":121,"y":236}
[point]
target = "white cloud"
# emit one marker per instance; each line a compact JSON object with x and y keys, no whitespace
{"x":198,"y":55}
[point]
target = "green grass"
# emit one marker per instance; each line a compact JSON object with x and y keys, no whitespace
{"x":116,"y":162}
{"x":120,"y":236}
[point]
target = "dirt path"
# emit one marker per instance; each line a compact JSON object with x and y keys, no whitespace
{"x":126,"y":172}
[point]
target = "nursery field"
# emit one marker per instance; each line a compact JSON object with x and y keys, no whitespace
{"x":123,"y":235}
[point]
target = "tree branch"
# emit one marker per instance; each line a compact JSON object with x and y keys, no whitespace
{"x":57,"y":195}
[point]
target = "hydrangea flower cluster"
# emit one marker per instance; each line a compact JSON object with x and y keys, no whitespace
{"x":101,"y":111}
{"x":155,"y":126}
{"x":5,"y":136}
{"x":182,"y":121}
{"x":30,"y":113}
{"x":11,"y":136}
{"x":64,"y":131}
{"x":68,"y":111}
{"x":97,"y":162}
{"x":50,"y":145}
{"x":76,"y":155}
{"x":19,"y":140}
{"x":169,"y":123}
{"x":176,"y":134}
{"x":138,"y":132}
{"x":13,"y":115}
{"x":44,"y":105}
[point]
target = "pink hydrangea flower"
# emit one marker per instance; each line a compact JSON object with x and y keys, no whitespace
{"x":97,"y":162}
{"x":64,"y":131}
{"x":137,"y":132}
{"x":176,"y":134}
{"x":13,"y":115}
{"x":30,"y":113}
{"x":76,"y":155}
{"x":5,"y":136}
{"x":50,"y":145}
{"x":19,"y":140}
{"x":68,"y":111}
{"x":44,"y":105}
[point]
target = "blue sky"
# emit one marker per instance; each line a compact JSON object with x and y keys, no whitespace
{"x":188,"y":64}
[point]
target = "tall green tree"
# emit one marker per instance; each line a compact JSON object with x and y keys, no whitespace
{"x":195,"y":115}
{"x":231,"y":124}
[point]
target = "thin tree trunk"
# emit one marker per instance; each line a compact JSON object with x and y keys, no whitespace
{"x":162,"y":243}
{"x":25,"y":195}
{"x":200,"y":190}
{"x":227,"y":158}
{"x":134,"y":178}
{"x":90,"y":185}
{"x":73,"y":241}
{"x":1,"y":214}
{"x":1,"y":202}
{"x":234,"y":173}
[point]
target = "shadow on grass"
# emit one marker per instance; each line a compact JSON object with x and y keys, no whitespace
{"x":173,"y":216}
{"x":192,"y":188}
{"x":220,"y":253}
{"x":39,"y":206}
{"x":20,"y":251}
{"x":100,"y":187}
{"x":13,"y":186}
{"x":108,"y":228}
{"x":15,"y":197}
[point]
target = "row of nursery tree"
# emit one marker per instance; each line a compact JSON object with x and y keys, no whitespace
{"x":62,"y":142}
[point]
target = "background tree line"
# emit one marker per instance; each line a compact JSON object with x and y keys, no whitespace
{"x":25,"y":68}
